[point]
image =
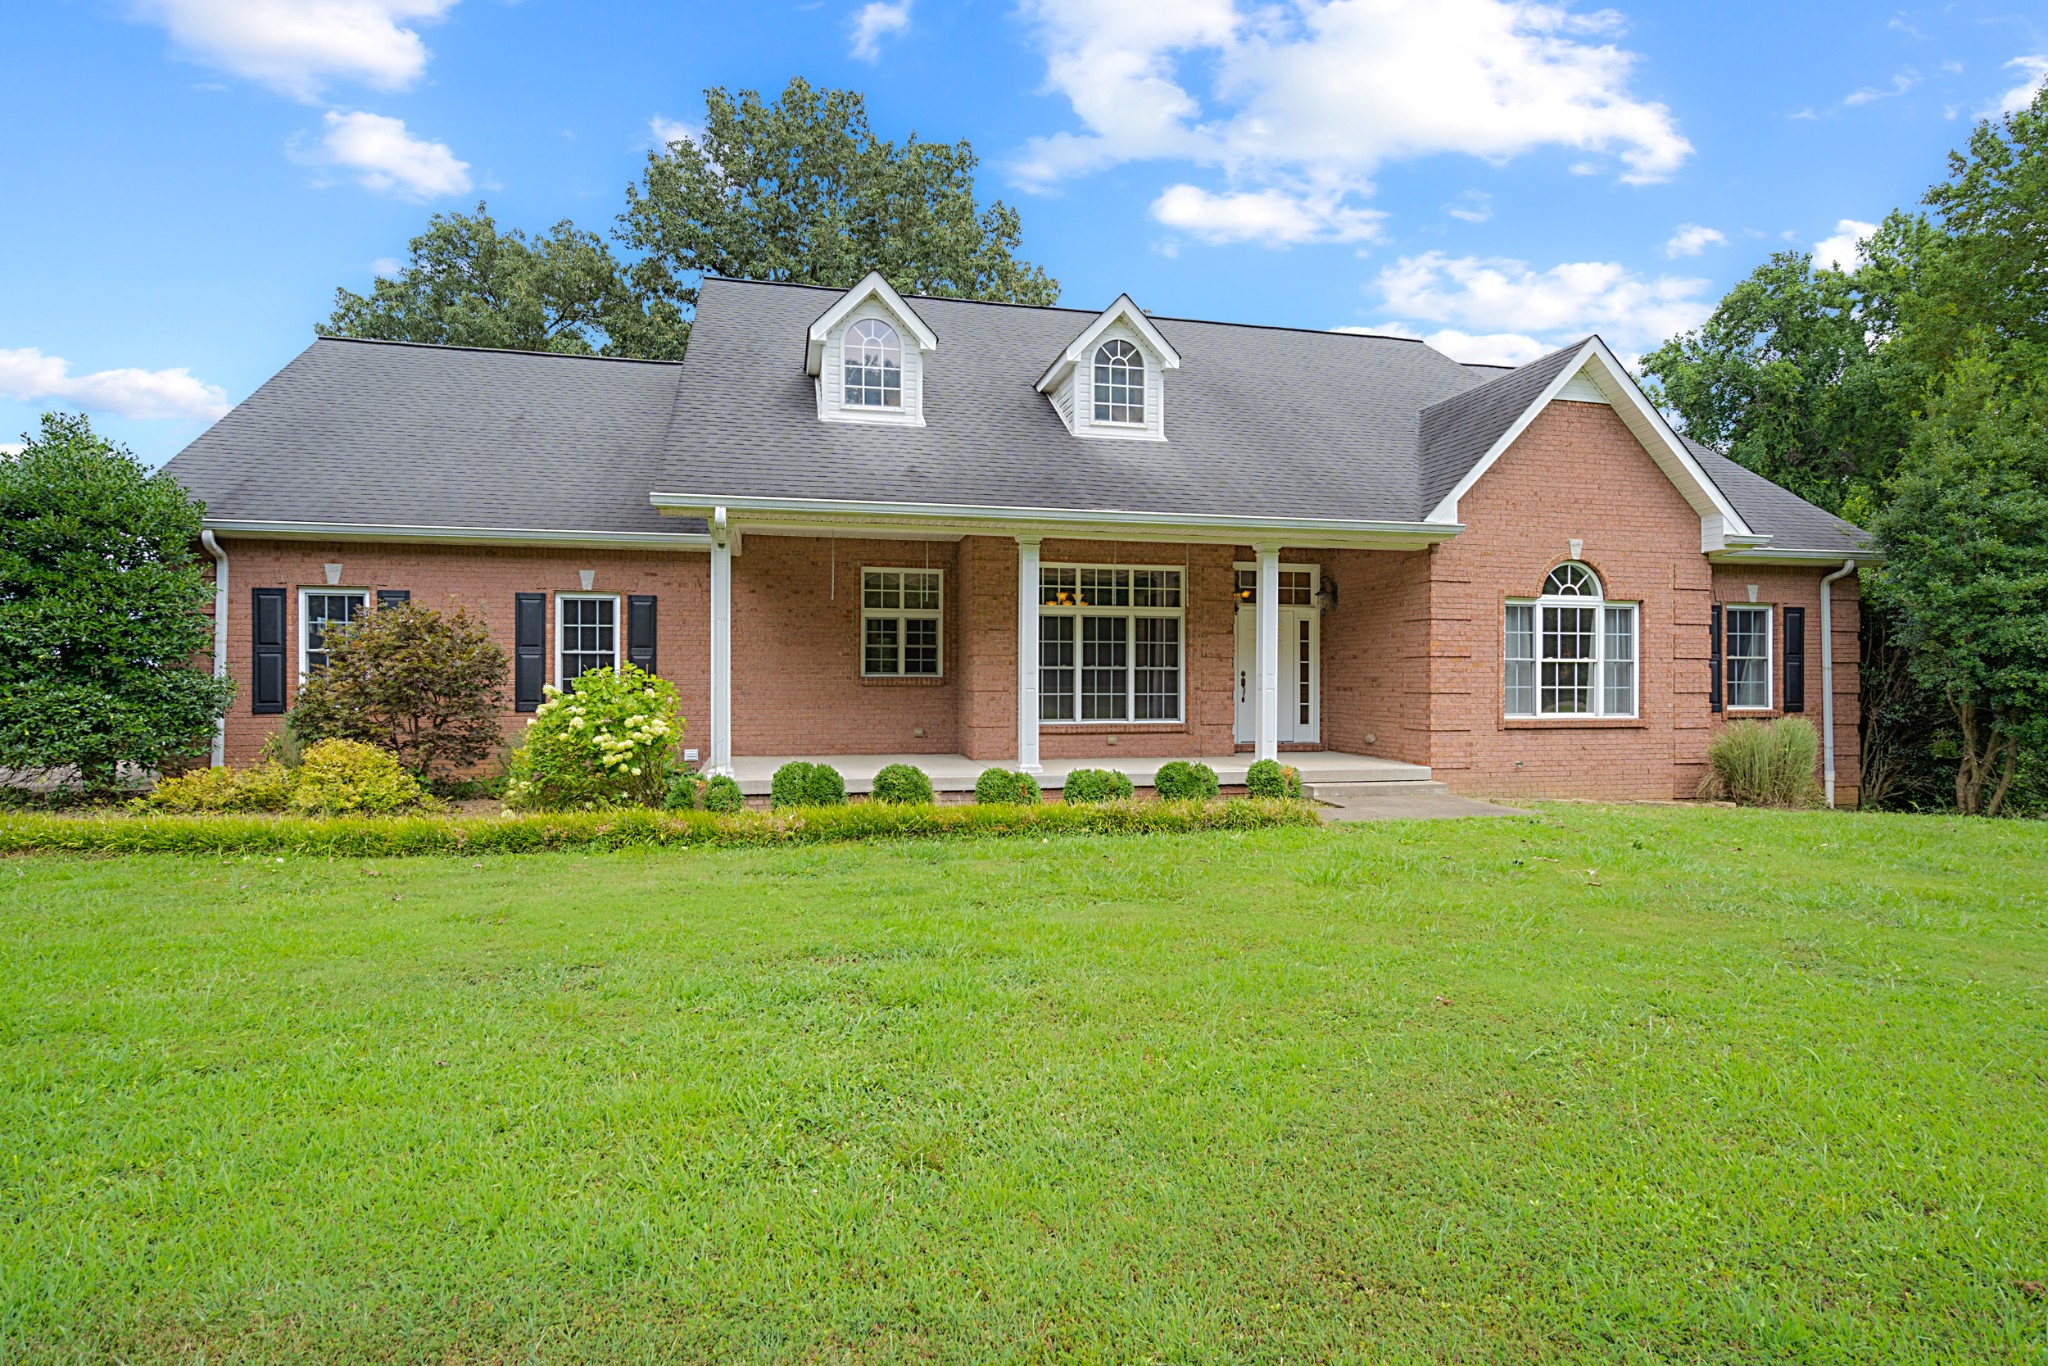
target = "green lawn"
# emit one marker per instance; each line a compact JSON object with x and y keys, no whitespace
{"x":1621,"y":1084}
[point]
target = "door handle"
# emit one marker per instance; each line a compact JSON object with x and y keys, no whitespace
{"x":1240,"y":685}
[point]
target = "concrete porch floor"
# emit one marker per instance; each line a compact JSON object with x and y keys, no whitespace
{"x":957,"y":772}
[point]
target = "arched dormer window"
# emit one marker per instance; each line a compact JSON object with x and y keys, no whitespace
{"x":1570,"y":652}
{"x":874,"y":366}
{"x":1119,"y":383}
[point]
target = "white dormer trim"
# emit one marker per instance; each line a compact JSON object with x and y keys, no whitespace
{"x":1066,"y":380}
{"x":1721,"y":526}
{"x":871,"y":298}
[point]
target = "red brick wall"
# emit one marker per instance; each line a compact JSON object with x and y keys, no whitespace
{"x":1781,"y":587}
{"x":483,"y":579}
{"x":988,"y":663}
{"x":1376,"y":654}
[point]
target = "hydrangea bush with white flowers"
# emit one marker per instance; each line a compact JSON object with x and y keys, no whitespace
{"x":610,"y":741}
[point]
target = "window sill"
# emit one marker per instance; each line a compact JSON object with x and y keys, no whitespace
{"x":1112,"y":727}
{"x":902,"y":680}
{"x":1573,"y":723}
{"x":1754,"y":713}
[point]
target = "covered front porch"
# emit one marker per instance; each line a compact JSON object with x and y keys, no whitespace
{"x":957,"y":772}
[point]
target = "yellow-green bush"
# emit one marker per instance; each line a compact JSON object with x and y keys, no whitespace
{"x":344,"y":777}
{"x":267,"y":787}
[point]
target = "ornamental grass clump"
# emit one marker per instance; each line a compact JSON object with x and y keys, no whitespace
{"x":1090,"y":785}
{"x":1764,"y":763}
{"x":607,"y":742}
{"x":798,"y":783}
{"x":1006,"y":787}
{"x":1180,"y":781}
{"x":903,"y":785}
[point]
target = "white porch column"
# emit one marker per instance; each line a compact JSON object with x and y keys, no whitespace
{"x":721,"y":645}
{"x":1027,"y":654}
{"x":1266,"y":619}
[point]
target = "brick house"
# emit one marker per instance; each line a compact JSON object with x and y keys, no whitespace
{"x":857,"y":526}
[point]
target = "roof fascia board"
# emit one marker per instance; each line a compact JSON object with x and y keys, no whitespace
{"x":1786,"y":555}
{"x":815,"y":514}
{"x":871,"y":287}
{"x":455,"y":535}
{"x":1643,"y":419}
{"x":1124,"y":310}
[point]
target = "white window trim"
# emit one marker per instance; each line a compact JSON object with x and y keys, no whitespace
{"x":618,"y":628}
{"x":306,"y":617}
{"x":1179,"y":614}
{"x":898,"y":614}
{"x":1600,"y":606}
{"x":1145,"y":369}
{"x":1315,"y":582}
{"x":913,"y":343}
{"x":1769,"y":611}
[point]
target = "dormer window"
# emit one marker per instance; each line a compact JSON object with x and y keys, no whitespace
{"x":1119,"y":383}
{"x":874,"y":366}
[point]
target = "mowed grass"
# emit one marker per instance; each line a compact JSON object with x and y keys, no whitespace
{"x":1628,"y":1084}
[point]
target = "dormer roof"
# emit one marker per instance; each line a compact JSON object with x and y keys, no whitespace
{"x":872,"y":287}
{"x":1125,"y":310}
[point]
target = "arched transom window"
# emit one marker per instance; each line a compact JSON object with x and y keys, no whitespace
{"x":1570,"y":652}
{"x":874,"y":365}
{"x":1119,"y":382}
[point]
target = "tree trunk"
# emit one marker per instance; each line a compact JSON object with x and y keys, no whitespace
{"x":1979,"y":760}
{"x":2012,"y":764}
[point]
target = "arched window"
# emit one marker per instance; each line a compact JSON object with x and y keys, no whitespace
{"x":1570,"y":652}
{"x":1119,"y":383}
{"x":874,"y":366}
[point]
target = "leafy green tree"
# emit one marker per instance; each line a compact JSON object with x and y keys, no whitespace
{"x":1965,"y":574}
{"x":103,"y":611}
{"x":426,"y":686}
{"x":468,"y":284}
{"x":802,"y":190}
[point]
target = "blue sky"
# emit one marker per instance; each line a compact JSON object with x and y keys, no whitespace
{"x":193,"y":178}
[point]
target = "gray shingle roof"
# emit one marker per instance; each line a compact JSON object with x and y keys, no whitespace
{"x":1260,"y":421}
{"x":1790,"y":521}
{"x":1463,"y":428}
{"x":392,"y":434}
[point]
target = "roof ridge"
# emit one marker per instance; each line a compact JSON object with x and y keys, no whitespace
{"x":492,"y":350}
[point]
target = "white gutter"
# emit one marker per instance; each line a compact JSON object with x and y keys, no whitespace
{"x":460,"y":535}
{"x":220,"y":636}
{"x":1827,"y":676}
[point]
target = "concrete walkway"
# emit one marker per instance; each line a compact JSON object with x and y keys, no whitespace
{"x":1399,"y":801}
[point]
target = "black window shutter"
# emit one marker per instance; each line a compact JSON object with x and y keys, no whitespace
{"x":391,"y":597}
{"x":1714,"y":660}
{"x":1795,"y":659}
{"x":640,"y":631}
{"x":529,"y":649}
{"x":266,"y":688}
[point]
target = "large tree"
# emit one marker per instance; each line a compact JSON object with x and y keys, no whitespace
{"x":103,"y":600}
{"x":801,"y":189}
{"x":466,"y":283}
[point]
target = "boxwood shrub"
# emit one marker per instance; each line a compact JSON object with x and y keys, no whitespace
{"x":722,"y":793}
{"x":903,"y":785}
{"x":1085,"y":785}
{"x":798,"y":783}
{"x":1273,"y":780}
{"x":1182,"y":781}
{"x":1006,"y":787}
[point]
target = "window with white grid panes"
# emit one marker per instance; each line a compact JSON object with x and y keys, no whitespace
{"x":1110,"y":643}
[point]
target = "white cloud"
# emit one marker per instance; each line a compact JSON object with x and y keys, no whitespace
{"x":875,"y":21}
{"x":29,"y":376}
{"x":1901,"y":83}
{"x":673,"y":130}
{"x":1492,"y":348}
{"x":388,"y":159}
{"x":1473,"y":206}
{"x":297,"y":47}
{"x":1274,"y":218}
{"x":1840,"y":252}
{"x":2022,"y":95}
{"x":1496,"y":297}
{"x":12,"y":447}
{"x":1309,"y":99}
{"x":1691,"y":239}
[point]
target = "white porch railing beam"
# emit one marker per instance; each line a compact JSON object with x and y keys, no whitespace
{"x":1266,"y":621}
{"x":1027,"y":654}
{"x":721,"y":645}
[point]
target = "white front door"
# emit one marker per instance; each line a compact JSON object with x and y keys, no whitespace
{"x":1301,"y":675}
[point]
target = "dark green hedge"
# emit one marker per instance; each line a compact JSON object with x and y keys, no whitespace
{"x":383,"y":836}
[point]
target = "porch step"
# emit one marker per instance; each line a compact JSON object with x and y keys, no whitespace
{"x":1336,"y":794}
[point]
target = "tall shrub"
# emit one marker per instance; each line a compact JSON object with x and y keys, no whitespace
{"x":1764,"y":763}
{"x":103,"y":611}
{"x":607,"y":743}
{"x":424,"y":685}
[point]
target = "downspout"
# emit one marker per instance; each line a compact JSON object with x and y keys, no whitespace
{"x":220,"y":636}
{"x":1827,"y":676}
